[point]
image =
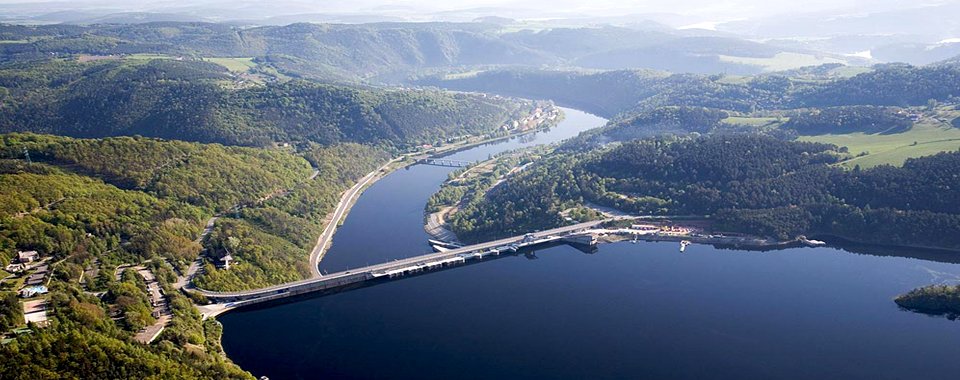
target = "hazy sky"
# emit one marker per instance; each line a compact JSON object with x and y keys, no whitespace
{"x":721,"y":9}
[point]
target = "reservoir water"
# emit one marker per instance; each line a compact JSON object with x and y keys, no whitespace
{"x":627,"y":311}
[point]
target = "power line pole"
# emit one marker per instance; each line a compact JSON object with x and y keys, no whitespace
{"x":26,"y":155}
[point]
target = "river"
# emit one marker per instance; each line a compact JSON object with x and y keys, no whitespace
{"x":386,"y":223}
{"x":627,"y":311}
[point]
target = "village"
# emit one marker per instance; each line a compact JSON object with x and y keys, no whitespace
{"x":29,"y":274}
{"x":542,"y":115}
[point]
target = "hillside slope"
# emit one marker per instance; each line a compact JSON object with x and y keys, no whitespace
{"x":192,"y":100}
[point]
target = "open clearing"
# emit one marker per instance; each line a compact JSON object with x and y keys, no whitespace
{"x":927,"y":137}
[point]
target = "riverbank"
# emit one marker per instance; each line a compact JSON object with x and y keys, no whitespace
{"x":347,"y":200}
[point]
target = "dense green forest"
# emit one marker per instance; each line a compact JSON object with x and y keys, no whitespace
{"x":749,"y":183}
{"x":62,"y":215}
{"x":189,"y":100}
{"x":272,"y":241}
{"x":211,"y":176}
{"x":867,"y":119}
{"x":614,"y":92}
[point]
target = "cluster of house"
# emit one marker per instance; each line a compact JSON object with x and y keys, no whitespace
{"x":914,"y":116}
{"x":33,"y":284}
{"x":23,"y":259}
{"x":539,"y":116}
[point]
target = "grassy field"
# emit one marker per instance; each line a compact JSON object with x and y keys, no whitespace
{"x":237,"y":65}
{"x":782,"y":61}
{"x":929,"y":136}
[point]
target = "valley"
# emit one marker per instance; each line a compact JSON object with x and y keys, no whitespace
{"x":205,"y":196}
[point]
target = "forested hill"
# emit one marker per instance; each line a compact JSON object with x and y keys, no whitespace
{"x":614,"y":92}
{"x":196,"y":101}
{"x":748,"y":183}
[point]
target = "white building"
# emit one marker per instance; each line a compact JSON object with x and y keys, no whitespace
{"x":27,"y":256}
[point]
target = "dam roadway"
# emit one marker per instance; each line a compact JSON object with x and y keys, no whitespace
{"x":225,"y":301}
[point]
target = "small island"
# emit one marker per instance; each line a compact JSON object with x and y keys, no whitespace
{"x":933,"y":299}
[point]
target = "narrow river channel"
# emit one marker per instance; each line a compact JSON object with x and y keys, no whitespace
{"x":627,"y":311}
{"x":387,"y":221}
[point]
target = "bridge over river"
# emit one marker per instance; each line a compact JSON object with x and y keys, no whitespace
{"x":224,"y":301}
{"x":444,"y":162}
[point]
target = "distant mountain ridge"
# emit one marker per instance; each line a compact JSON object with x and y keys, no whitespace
{"x":391,"y":51}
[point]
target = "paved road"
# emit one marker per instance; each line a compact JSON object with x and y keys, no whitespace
{"x":346,"y":201}
{"x":160,"y":306}
{"x":184,"y":280}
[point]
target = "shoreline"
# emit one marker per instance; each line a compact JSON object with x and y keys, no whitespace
{"x":455,"y":148}
{"x":347,"y":200}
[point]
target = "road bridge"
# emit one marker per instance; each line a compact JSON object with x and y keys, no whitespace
{"x":444,"y":162}
{"x":398,"y":268}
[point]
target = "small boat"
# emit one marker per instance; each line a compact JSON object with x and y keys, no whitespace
{"x":683,"y":245}
{"x":811,"y":242}
{"x":444,"y":244}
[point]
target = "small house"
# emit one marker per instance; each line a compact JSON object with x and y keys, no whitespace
{"x":225,"y":261}
{"x":15,"y":268}
{"x":25,"y":257}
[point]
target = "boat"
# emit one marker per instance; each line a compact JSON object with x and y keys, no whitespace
{"x":811,"y":242}
{"x":444,"y":244}
{"x":683,"y":245}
